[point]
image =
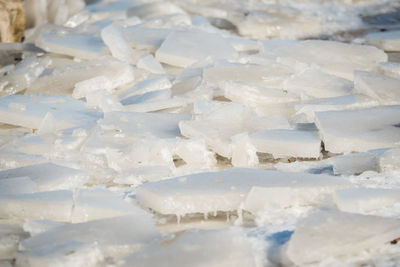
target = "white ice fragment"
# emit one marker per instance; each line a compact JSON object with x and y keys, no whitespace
{"x":336,"y":58}
{"x":382,"y":88}
{"x":63,"y":79}
{"x":185,"y":48}
{"x":49,"y":176}
{"x":17,"y":185}
{"x":155,"y":9}
{"x":195,"y":153}
{"x":103,"y":100}
{"x":48,"y":125}
{"x":140,"y":125}
{"x":255,"y":96}
{"x":148,"y":85}
{"x":152,"y":96}
{"x":391,"y":69}
{"x":390,"y":160}
{"x":224,"y":248}
{"x":67,"y":112}
{"x":244,"y":154}
{"x":66,"y":42}
{"x":99,"y":203}
{"x":35,"y":227}
{"x":317,"y":84}
{"x":112,"y":36}
{"x":225,"y":190}
{"x":356,"y":163}
{"x":388,"y":41}
{"x":68,"y":254}
{"x":359,"y":130}
{"x":84,"y":88}
{"x":51,"y":205}
{"x":249,"y":75}
{"x":116,"y":237}
{"x":337,"y":234}
{"x":366,"y":200}
{"x":145,"y":38}
{"x":150,"y":64}
{"x":287,"y":143}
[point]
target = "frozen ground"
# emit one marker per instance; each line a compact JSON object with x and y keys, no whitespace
{"x":202,"y":133}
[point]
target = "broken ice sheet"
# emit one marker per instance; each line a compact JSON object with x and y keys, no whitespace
{"x":139,"y":175}
{"x":99,"y":203}
{"x":66,"y":42}
{"x":371,"y":201}
{"x":63,"y":79}
{"x":51,"y":205}
{"x":287,"y":143}
{"x":185,"y":48}
{"x":388,"y":40}
{"x":315,"y":83}
{"x":382,"y":88}
{"x":359,"y":130}
{"x":30,"y":110}
{"x":331,"y":233}
{"x":334,"y":58}
{"x":210,"y":192}
{"x":17,"y":185}
{"x":228,"y":247}
{"x":48,"y":176}
{"x":116,"y":237}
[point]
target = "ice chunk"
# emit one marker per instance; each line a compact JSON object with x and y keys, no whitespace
{"x":317,"y":84}
{"x":366,"y":200}
{"x":195,"y":153}
{"x":68,"y":254}
{"x":145,"y":38}
{"x":149,"y":63}
{"x":115,"y":236}
{"x":84,"y":88}
{"x":155,"y":9}
{"x":244,"y":154}
{"x":222,"y":190}
{"x":66,"y":42}
{"x":287,"y":143}
{"x":63,"y":79}
{"x":383,"y":88}
{"x":390,"y":160}
{"x":152,"y":96}
{"x":337,"y":234}
{"x":24,"y":74}
{"x":359,"y":130}
{"x":66,"y":111}
{"x":145,"y":86}
{"x":17,"y":185}
{"x":138,"y":125}
{"x":51,"y":205}
{"x":98,"y":203}
{"x":391,"y":69}
{"x":222,"y":248}
{"x":255,"y":96}
{"x":355,"y":163}
{"x":35,"y":227}
{"x":335,"y":58}
{"x":184,"y":48}
{"x":49,"y":176}
{"x":388,"y":41}
{"x":10,"y":236}
{"x":115,"y":41}
{"x":271,"y":76}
